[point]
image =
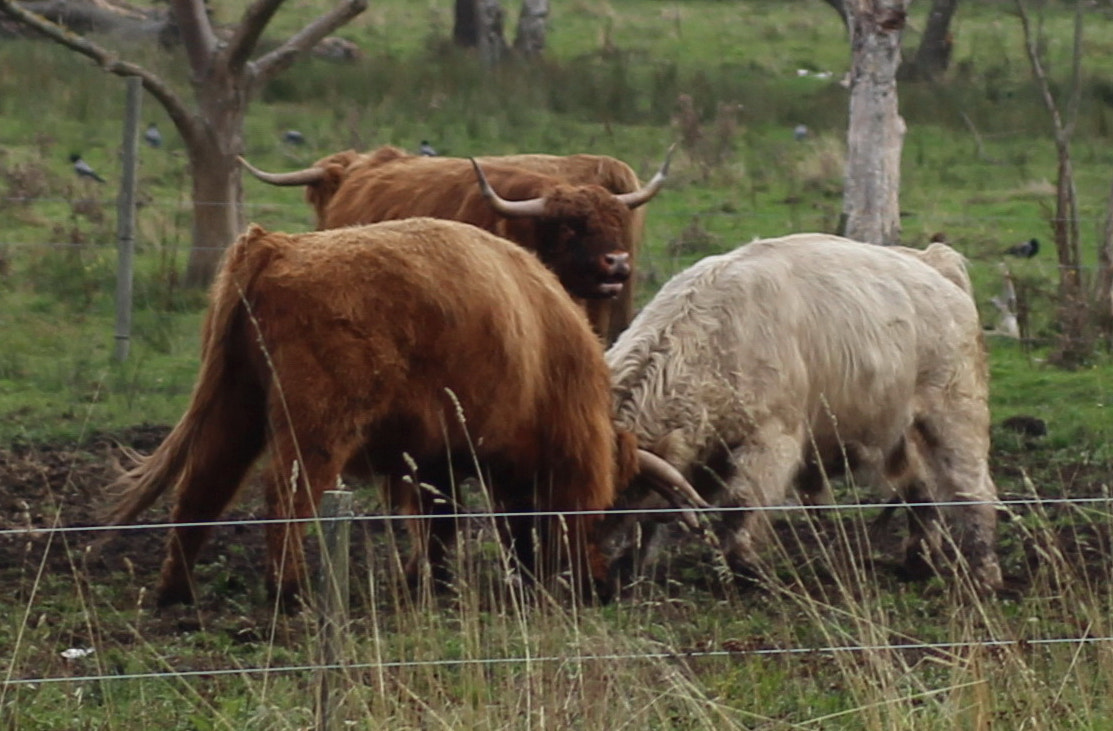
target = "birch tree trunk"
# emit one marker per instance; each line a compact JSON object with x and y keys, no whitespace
{"x":871,"y":197}
{"x":532,"y":25}
{"x":492,"y":41}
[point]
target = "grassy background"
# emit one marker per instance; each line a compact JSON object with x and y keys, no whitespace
{"x":609,"y":84}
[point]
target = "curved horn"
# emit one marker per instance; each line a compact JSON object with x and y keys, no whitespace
{"x":667,"y":482}
{"x":644,"y":194}
{"x":298,"y":177}
{"x":511,"y":209}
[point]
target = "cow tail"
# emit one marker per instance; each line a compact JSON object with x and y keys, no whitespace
{"x":227,"y":398}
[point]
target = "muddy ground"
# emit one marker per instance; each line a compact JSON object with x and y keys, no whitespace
{"x":63,"y":484}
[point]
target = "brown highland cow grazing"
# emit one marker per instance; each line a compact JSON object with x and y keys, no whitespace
{"x":416,"y":348}
{"x":581,"y":214}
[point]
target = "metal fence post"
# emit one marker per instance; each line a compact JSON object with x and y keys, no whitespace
{"x":333,"y":596}
{"x":125,"y":217}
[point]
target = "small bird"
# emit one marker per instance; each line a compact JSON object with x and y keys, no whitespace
{"x":427,"y":149}
{"x":1026,"y":250}
{"x":800,"y":132}
{"x":83,"y":170}
{"x":153,"y":136}
{"x":293,"y":137}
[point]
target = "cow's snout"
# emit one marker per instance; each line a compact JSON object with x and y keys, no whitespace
{"x":617,"y":266}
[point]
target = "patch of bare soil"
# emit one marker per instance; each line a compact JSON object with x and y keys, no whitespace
{"x":45,"y":485}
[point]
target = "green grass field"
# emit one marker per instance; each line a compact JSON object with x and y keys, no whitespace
{"x":680,"y":652}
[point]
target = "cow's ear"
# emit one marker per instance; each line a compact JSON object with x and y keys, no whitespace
{"x":626,"y":459}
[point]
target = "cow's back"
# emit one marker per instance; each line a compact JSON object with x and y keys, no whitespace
{"x":431,"y":313}
{"x":800,"y":328}
{"x":406,"y":187}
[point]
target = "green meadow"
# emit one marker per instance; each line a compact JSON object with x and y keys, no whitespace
{"x":683,"y":650}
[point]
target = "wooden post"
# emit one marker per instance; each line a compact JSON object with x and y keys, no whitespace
{"x":333,"y":596}
{"x":125,"y":217}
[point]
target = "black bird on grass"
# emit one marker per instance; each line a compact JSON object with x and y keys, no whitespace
{"x":427,"y":149}
{"x":153,"y":136}
{"x":1026,"y":250}
{"x":83,"y":169}
{"x":293,"y":137}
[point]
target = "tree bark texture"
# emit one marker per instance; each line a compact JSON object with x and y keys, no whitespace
{"x":217,"y":189}
{"x":492,"y":41}
{"x":479,"y":24}
{"x":871,"y":198}
{"x":933,"y":56}
{"x":465,"y":25}
{"x":1104,"y":296}
{"x":529,"y":41}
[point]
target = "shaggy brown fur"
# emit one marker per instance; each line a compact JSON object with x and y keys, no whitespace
{"x":362,"y":346}
{"x":583,"y":222}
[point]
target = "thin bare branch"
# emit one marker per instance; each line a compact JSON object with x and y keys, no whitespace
{"x":1073,"y":308}
{"x":1076,"y":72}
{"x":251,"y":27}
{"x":197,"y":34}
{"x":978,"y":141}
{"x":175,"y":107}
{"x":281,"y":58}
{"x":1104,"y":290}
{"x":1039,"y":72}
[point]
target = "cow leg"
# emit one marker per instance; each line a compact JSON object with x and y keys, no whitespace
{"x":217,"y":467}
{"x":301,"y":470}
{"x":432,"y":502}
{"x":954,"y":461}
{"x":765,"y":469}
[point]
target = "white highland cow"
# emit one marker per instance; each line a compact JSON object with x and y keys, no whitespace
{"x":794,"y":358}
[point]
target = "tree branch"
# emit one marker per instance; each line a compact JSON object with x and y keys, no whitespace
{"x":197,"y":34}
{"x":281,"y":58}
{"x":252,"y":24}
{"x":1041,"y":75}
{"x":1076,"y":72}
{"x":175,"y":107}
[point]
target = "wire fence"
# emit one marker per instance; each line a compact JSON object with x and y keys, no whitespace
{"x":946,"y":647}
{"x":1097,"y":507}
{"x":1006,"y":504}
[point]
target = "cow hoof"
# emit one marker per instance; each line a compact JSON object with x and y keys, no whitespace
{"x":916,"y":567}
{"x":168,"y":596}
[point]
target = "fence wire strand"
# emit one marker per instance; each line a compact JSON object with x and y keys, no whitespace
{"x":608,"y":657}
{"x":1101,"y":504}
{"x":484,"y":514}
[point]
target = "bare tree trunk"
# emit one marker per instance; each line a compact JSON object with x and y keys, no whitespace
{"x":1103,"y":298}
{"x":217,"y":189}
{"x":1074,"y":312}
{"x":532,"y":25}
{"x":465,"y":26}
{"x":492,"y":42}
{"x":933,"y":56}
{"x":871,"y":198}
